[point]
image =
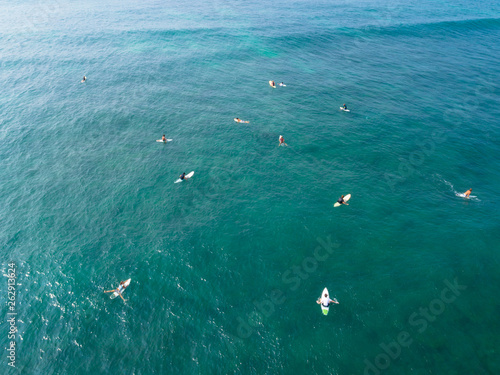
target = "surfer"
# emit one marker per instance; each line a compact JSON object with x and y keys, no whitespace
{"x":84,"y":79}
{"x":118,"y":290}
{"x":345,"y":107}
{"x":182,"y":176}
{"x":282,"y":141}
{"x":341,"y":201}
{"x":273,"y":84}
{"x":325,"y":301}
{"x":282,"y":84}
{"x":467,"y":193}
{"x":163,"y":138}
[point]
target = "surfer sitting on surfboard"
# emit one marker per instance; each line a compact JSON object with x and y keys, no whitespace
{"x":341,"y":201}
{"x":345,"y":107}
{"x":84,"y":79}
{"x":467,"y":193}
{"x":118,"y":290}
{"x":163,"y":138}
{"x":282,"y":141}
{"x":182,"y":176}
{"x":325,"y":301}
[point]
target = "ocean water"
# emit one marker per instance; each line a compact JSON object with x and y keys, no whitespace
{"x":226,"y":267}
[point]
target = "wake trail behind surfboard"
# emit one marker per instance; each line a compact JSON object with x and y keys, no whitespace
{"x":458,"y":194}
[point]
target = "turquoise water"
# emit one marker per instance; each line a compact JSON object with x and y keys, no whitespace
{"x":226,"y":267}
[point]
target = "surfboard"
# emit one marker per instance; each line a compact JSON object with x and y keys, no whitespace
{"x":346,"y":198}
{"x":162,"y":141}
{"x":323,"y":308}
{"x":240,"y":120}
{"x":272,"y":84}
{"x":189,"y":175}
{"x":345,"y":110}
{"x":121,"y":288}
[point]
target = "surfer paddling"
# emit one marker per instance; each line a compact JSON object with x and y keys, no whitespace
{"x":325,"y":301}
{"x":341,"y":201}
{"x":118,"y":290}
{"x":467,"y":193}
{"x":237,"y":119}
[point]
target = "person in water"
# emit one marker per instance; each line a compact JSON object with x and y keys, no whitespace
{"x":118,"y":290}
{"x":345,"y":107}
{"x":273,"y":84}
{"x":467,"y":193}
{"x":325,"y":301}
{"x":182,"y":176}
{"x":282,"y":84}
{"x":84,"y":79}
{"x":341,"y":201}
{"x":163,"y":138}
{"x":282,"y":141}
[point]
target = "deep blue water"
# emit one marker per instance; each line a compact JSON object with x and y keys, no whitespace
{"x":226,"y":267}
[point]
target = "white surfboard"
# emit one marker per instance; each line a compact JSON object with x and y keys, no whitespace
{"x":462,"y":195}
{"x":121,"y":288}
{"x":346,"y":198}
{"x":162,"y":141}
{"x":345,"y":110}
{"x":272,"y":84}
{"x":189,"y":175}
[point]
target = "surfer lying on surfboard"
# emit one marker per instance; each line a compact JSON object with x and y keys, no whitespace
{"x":341,"y":201}
{"x":240,"y":120}
{"x":118,"y":290}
